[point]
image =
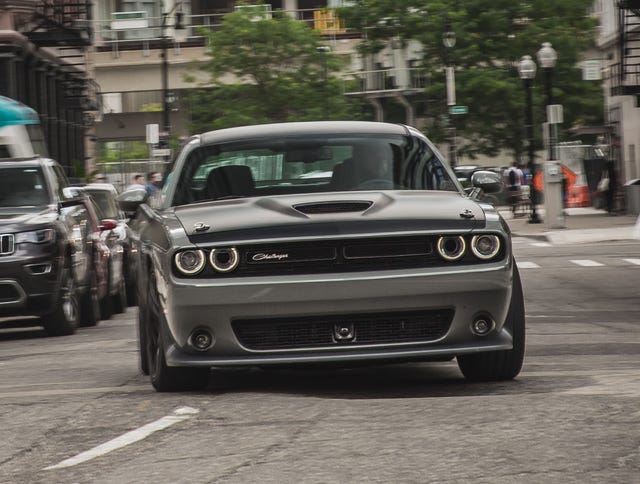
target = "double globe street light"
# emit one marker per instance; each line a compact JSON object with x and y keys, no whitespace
{"x":527,"y":71}
{"x":547,"y":57}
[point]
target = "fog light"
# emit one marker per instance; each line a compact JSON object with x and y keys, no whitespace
{"x":201,"y":339}
{"x":482,"y":325}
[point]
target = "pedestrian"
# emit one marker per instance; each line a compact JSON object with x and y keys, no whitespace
{"x":610,"y":192}
{"x":138,"y":183}
{"x":154,"y":179}
{"x":514,"y":181}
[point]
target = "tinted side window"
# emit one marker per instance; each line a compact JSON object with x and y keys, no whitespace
{"x":60,"y":181}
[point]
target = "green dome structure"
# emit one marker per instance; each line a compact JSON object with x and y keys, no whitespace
{"x":13,"y":112}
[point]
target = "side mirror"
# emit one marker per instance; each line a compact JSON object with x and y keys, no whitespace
{"x":130,"y":200}
{"x":108,"y":224}
{"x":488,"y":181}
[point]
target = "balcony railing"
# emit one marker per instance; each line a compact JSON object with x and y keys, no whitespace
{"x":323,"y":21}
{"x":630,"y":85}
{"x":387,"y":81}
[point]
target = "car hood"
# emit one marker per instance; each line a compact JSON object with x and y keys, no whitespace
{"x":13,"y":219}
{"x":331,"y":214}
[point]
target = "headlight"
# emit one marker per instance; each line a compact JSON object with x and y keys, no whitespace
{"x":485,"y":246}
{"x":224,"y":260}
{"x":451,"y":247}
{"x":35,"y":236}
{"x":190,"y":262}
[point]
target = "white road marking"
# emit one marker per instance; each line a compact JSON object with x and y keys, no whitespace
{"x":179,"y":415}
{"x":528,"y":265}
{"x":586,"y":263}
{"x":632,"y":261}
{"x":541,"y":244}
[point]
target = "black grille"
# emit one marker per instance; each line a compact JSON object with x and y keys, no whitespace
{"x":332,"y":207}
{"x":6,"y":244}
{"x":306,"y":332}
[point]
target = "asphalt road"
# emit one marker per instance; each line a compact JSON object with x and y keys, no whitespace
{"x":75,"y":409}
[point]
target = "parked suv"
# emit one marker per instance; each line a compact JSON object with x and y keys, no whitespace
{"x":49,"y":254}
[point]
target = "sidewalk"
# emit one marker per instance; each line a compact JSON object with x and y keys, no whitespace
{"x":581,"y":225}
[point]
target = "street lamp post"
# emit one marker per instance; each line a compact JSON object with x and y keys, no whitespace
{"x":449,"y":42}
{"x":527,"y":71}
{"x":324,"y":50}
{"x":164,"y":45}
{"x":547,"y":57}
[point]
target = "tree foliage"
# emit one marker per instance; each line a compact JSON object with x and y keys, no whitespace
{"x":269,"y":70}
{"x":491,"y":36}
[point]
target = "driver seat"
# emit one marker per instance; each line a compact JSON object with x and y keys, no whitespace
{"x":230,"y":181}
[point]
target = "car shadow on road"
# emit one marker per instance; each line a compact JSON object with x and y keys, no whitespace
{"x":415,"y":380}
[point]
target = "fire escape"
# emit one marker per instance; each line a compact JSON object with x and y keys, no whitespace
{"x":65,"y":25}
{"x":626,"y":73}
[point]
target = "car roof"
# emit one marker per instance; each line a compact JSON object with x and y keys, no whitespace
{"x":302,"y":128}
{"x":22,"y":162}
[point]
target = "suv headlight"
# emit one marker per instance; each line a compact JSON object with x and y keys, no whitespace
{"x":35,"y":236}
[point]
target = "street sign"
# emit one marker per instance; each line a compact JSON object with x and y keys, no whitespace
{"x":161,"y":152}
{"x":458,"y":109}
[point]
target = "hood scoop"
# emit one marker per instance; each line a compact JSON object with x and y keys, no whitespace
{"x":332,"y":207}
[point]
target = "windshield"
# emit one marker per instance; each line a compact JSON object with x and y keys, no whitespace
{"x":105,"y":202}
{"x":310,"y":164}
{"x":20,"y":187}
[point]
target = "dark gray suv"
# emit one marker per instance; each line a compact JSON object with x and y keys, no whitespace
{"x":47,"y":252}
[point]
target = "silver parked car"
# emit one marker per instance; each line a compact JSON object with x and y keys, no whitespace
{"x":379,"y":256}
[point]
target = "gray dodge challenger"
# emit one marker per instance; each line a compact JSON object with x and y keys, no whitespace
{"x":315,"y":243}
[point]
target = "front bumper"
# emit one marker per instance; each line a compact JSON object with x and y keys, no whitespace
{"x":28,"y":285}
{"x":216,"y":304}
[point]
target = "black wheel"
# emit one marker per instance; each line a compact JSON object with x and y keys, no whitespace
{"x":106,"y":303}
{"x":165,"y":378}
{"x":171,"y":379}
{"x":64,"y":318}
{"x":130,"y":280}
{"x":503,"y":364}
{"x":90,"y":306}
{"x":119,"y":303}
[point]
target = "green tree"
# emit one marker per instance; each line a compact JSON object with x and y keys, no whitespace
{"x":268,"y":70}
{"x":491,"y":36}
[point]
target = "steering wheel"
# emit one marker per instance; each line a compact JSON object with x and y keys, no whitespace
{"x":375,"y":184}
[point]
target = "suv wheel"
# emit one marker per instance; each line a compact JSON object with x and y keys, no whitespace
{"x":64,"y":318}
{"x":90,"y":307}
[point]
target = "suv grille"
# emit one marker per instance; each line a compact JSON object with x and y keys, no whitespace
{"x":306,"y":332}
{"x":7,"y":246}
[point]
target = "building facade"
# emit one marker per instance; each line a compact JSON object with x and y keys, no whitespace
{"x":44,"y":49}
{"x":618,"y":46}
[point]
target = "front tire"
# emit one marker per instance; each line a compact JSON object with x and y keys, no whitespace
{"x":152,"y":357}
{"x":120,"y":298}
{"x":64,"y":319}
{"x":171,"y":379}
{"x":90,"y":307}
{"x":503,"y":364}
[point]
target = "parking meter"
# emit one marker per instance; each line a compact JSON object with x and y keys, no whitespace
{"x":553,"y":196}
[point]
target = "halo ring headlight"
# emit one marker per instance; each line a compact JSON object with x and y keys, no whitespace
{"x":224,"y":260}
{"x":451,"y":247}
{"x":485,"y":246}
{"x":190,"y":262}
